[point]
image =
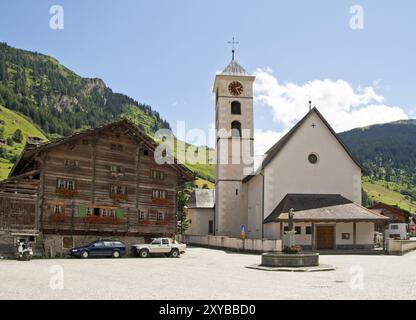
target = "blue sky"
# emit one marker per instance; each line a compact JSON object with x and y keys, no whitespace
{"x":166,"y":53}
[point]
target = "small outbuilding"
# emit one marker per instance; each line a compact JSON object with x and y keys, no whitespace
{"x":200,"y":211}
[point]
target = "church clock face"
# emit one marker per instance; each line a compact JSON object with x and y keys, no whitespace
{"x":235,"y":88}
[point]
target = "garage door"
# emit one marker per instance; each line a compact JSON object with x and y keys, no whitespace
{"x":324,"y":237}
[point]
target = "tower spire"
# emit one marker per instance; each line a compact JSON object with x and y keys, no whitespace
{"x":233,"y":43}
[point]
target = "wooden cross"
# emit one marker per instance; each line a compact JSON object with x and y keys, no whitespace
{"x":233,"y":43}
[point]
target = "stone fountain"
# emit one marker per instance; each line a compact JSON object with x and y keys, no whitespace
{"x":290,"y":257}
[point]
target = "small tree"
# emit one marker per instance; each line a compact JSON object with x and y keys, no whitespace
{"x":18,"y":136}
{"x":9,"y":141}
{"x":182,"y":201}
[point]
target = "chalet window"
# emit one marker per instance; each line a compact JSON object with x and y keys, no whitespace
{"x":116,"y":169}
{"x":118,"y":190}
{"x":71,"y":163}
{"x":142,"y":214}
{"x":58,"y":209}
{"x":116,"y":147}
{"x":298,"y":230}
{"x":66,"y":184}
{"x":285,"y":229}
{"x":145,"y":152}
{"x":108,"y":212}
{"x":161,"y":216}
{"x":308,"y":230}
{"x":159,"y":194}
{"x":156,"y":174}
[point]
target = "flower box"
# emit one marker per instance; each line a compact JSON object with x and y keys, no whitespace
{"x":118,"y":197}
{"x":162,"y":222}
{"x":292,"y":249}
{"x":66,"y":192}
{"x":102,"y":220}
{"x":58,"y":217}
{"x":144,"y":222}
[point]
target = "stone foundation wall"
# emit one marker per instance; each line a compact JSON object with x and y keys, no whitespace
{"x":55,"y":246}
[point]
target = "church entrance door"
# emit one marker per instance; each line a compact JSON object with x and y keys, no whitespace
{"x":325,"y":237}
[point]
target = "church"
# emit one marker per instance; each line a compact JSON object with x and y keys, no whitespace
{"x":309,"y":170}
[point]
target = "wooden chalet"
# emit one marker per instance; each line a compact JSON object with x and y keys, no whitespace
{"x":99,"y":183}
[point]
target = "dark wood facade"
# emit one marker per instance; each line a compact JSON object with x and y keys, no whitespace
{"x":396,"y":214}
{"x":102,"y":182}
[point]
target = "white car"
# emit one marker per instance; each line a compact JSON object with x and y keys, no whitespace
{"x":165,"y":246}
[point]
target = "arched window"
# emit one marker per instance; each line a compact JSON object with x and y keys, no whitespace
{"x":236,"y":129}
{"x":235,"y":107}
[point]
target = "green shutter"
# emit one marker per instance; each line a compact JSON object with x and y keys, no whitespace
{"x":82,"y":211}
{"x":120,"y":213}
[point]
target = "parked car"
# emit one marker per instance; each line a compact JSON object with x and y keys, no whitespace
{"x":101,"y":248}
{"x":161,"y":246}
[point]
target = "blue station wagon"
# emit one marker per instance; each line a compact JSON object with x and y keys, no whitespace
{"x":101,"y":248}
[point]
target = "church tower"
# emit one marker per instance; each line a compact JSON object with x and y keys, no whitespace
{"x":233,"y":90}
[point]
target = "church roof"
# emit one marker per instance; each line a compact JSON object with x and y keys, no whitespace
{"x":202,"y":199}
{"x":234,"y":69}
{"x":278,"y":146}
{"x":321,"y":207}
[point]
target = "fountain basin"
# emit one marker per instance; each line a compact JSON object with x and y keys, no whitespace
{"x":279,"y":259}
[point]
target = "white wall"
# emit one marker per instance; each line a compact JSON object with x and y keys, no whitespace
{"x":260,"y":245}
{"x":291,"y":172}
{"x":365,"y":233}
{"x":200,"y":221}
{"x":344,"y":228}
{"x":254,"y":191}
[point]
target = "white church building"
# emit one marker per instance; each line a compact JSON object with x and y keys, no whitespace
{"x":309,"y":169}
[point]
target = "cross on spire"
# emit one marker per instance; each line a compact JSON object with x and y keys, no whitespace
{"x":233,"y":43}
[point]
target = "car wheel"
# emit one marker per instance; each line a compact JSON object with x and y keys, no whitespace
{"x":116,"y":254}
{"x":174,"y":253}
{"x":84,"y":254}
{"x":144,"y":253}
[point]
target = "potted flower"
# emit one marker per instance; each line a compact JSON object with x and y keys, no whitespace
{"x":292,"y":249}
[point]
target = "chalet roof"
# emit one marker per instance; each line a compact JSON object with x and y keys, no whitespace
{"x":322,"y":207}
{"x":278,"y":146}
{"x":202,"y":199}
{"x":234,"y":69}
{"x":383,"y":206}
{"x":33,"y":148}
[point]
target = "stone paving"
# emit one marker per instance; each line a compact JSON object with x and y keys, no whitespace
{"x":207,"y":274}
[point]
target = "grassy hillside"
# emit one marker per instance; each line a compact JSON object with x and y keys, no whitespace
{"x":389,"y":193}
{"x":59,"y":101}
{"x":11,"y":121}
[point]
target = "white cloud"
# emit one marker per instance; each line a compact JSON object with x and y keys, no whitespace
{"x":343,"y":106}
{"x":263,"y":140}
